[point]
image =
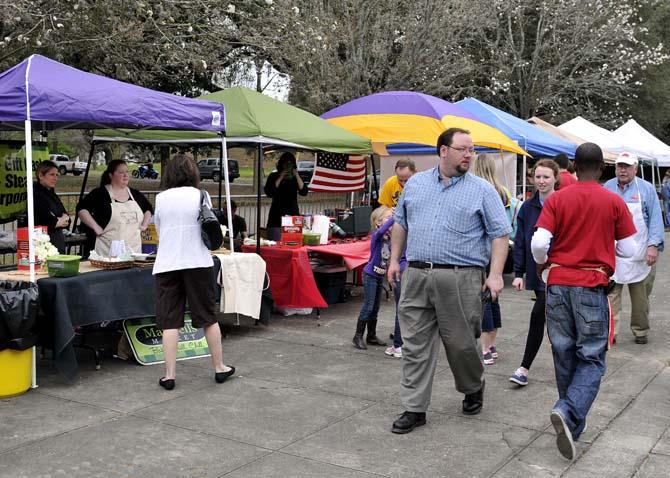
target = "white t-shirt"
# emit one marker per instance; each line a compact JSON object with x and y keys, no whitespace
{"x":180,"y":244}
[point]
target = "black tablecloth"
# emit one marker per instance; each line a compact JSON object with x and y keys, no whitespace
{"x":93,"y":298}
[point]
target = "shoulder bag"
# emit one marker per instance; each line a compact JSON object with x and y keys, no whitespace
{"x":210,"y":231}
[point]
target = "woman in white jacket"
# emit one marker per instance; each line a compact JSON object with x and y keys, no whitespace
{"x":184,"y":268}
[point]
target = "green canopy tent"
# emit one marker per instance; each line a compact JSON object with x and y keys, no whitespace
{"x":252,"y":117}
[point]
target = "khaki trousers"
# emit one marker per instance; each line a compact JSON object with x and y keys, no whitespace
{"x":445,"y":304}
{"x":639,"y":299}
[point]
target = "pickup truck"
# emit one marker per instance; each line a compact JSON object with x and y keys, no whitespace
{"x":65,"y":165}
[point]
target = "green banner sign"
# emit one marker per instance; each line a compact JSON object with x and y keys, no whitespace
{"x":146,"y":340}
{"x":13,"y":195}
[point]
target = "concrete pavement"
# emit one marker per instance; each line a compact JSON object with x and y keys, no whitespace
{"x":305,"y":403}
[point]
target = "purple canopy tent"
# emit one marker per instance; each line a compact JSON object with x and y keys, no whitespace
{"x":48,"y":95}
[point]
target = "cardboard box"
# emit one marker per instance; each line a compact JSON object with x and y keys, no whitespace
{"x":292,"y":222}
{"x":291,"y":235}
{"x":150,"y":236}
{"x":22,"y":246}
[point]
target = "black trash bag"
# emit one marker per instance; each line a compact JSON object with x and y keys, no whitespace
{"x":19,"y":304}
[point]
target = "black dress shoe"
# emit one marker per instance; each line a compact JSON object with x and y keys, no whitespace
{"x":359,"y":343}
{"x":473,"y":402}
{"x":166,"y":383}
{"x":374,"y":340}
{"x":641,"y":339}
{"x":221,"y":377}
{"x":408,"y":421}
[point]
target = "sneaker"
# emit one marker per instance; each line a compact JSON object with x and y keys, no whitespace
{"x":519,"y":377}
{"x":488,"y":359}
{"x":408,"y":421}
{"x":564,"y":440}
{"x":494,"y":352}
{"x":394,"y":351}
{"x":641,"y":339}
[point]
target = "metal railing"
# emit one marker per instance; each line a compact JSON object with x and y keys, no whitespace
{"x":246,"y":207}
{"x":246,"y":204}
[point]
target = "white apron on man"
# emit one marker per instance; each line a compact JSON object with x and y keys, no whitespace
{"x":635,"y":269}
{"x":123,"y":224}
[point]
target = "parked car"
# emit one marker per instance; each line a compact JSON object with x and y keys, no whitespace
{"x":209,"y":169}
{"x":306,"y":170}
{"x":65,"y":165}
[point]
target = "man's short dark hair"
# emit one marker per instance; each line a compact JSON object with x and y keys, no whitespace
{"x":447,"y":136}
{"x":233,"y":205}
{"x":562,"y":160}
{"x":589,"y":157}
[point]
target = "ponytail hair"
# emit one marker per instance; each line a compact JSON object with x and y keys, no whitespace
{"x":112,"y":166}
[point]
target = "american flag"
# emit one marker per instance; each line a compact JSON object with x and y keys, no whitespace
{"x":336,"y":172}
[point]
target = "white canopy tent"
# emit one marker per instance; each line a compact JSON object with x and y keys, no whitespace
{"x":632,"y":132}
{"x":609,"y":142}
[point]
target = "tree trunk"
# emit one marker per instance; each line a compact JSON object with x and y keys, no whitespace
{"x":165,"y":157}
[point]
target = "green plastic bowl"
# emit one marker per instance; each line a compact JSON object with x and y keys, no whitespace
{"x":63,"y":265}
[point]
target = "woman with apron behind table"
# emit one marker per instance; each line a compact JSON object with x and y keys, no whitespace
{"x":114,"y":212}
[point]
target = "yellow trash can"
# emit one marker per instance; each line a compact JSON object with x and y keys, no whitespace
{"x":16,"y":368}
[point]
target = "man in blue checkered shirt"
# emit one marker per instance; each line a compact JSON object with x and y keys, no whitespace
{"x":453,"y":224}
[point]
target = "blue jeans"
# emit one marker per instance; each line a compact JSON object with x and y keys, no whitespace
{"x":372,"y":294}
{"x":397,"y":337}
{"x":577,"y":325}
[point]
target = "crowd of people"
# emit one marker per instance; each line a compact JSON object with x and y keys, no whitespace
{"x":441,"y":239}
{"x":576,"y":244}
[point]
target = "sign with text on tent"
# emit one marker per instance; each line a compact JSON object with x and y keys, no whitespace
{"x":146,"y":340}
{"x":13,"y":189}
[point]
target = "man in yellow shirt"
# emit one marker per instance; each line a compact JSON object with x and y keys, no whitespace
{"x":392,"y":188}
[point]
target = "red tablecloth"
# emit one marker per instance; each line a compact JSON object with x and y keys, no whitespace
{"x":291,"y":278}
{"x":355,"y":254}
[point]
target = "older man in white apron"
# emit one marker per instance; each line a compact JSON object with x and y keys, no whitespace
{"x":639,"y":271}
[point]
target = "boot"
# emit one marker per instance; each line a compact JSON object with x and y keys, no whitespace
{"x":358,"y":341}
{"x":372,"y":338}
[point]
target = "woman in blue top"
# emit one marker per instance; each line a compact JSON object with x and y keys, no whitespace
{"x":373,"y":276}
{"x":546,"y":177}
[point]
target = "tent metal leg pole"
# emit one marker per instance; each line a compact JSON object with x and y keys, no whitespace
{"x":653,"y":176}
{"x":375,"y":184}
{"x":31,"y":228}
{"x":224,"y":154}
{"x":222,"y":167}
{"x":259,"y":169}
{"x":525,"y":173}
{"x":84,"y":181}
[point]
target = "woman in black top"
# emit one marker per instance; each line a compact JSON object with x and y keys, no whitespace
{"x":48,"y":208}
{"x":114,"y":211}
{"x":283,"y":186}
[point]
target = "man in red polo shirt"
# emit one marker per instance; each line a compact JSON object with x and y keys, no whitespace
{"x":567,"y":179}
{"x":586,"y":226}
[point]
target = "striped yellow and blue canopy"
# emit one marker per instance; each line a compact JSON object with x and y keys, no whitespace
{"x":409,"y":117}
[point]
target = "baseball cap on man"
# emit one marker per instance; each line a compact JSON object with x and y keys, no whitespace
{"x":626,"y":158}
